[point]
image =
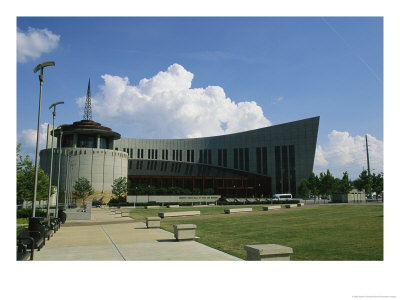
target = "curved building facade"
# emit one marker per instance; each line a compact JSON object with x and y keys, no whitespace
{"x":255,"y":163}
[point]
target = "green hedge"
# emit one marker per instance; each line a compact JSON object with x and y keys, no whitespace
{"x":27,"y":213}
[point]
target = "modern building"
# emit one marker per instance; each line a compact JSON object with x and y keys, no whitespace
{"x":255,"y":163}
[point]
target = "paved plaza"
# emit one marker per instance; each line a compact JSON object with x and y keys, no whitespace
{"x":109,"y":237}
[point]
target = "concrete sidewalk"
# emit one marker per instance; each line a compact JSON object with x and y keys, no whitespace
{"x":107,"y":237}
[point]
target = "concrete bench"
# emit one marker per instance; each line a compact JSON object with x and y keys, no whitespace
{"x":125,"y":211}
{"x":153,"y":222}
{"x":184,"y":232}
{"x":268,"y":252}
{"x":300,"y":204}
{"x":238,"y":210}
{"x":290,"y":205}
{"x":272,"y":207}
{"x":173,"y":206}
{"x":178,"y":214}
{"x":152,"y":206}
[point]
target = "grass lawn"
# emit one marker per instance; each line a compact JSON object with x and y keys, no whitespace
{"x":320,"y":232}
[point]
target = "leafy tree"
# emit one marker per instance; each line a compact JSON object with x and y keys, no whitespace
{"x":377,"y":184}
{"x":304,"y":189}
{"x":82,"y":189}
{"x":196,"y":191}
{"x":209,"y":191}
{"x":364,"y":182}
{"x":345,"y":184}
{"x":313,"y":184}
{"x":26,"y":178}
{"x":327,"y":183}
{"x":120,"y":188}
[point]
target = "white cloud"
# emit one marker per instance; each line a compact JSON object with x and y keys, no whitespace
{"x":34,"y":42}
{"x":27,"y":138}
{"x":347,"y":153}
{"x":165,"y":106}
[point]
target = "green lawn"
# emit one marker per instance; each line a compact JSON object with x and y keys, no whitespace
{"x":325,"y":232}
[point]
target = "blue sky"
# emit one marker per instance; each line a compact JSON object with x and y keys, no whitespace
{"x":259,"y":70}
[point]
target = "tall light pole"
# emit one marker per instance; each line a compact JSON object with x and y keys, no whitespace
{"x":51,"y":161}
{"x":41,"y":80}
{"x":59,"y":168}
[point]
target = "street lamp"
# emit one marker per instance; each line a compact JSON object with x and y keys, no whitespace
{"x":51,"y":161}
{"x":41,"y":80}
{"x":136,"y":198}
{"x":59,"y":168}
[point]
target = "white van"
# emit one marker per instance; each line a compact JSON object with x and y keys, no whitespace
{"x":280,"y":197}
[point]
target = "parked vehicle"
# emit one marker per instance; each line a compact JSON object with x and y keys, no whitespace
{"x":280,"y":197}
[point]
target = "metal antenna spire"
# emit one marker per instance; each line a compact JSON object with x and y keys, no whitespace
{"x":87,"y":115}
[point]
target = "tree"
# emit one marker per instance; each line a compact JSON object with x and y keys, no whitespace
{"x":26,"y":178}
{"x":345,"y":184}
{"x":377,"y":184}
{"x":327,"y":183}
{"x":82,"y":189}
{"x":120,"y":188}
{"x":313,"y":184}
{"x":364,"y":182}
{"x":304,"y":190}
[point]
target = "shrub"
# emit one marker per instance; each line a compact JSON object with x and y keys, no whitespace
{"x":27,"y":213}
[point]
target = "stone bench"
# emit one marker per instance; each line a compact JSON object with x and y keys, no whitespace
{"x":238,"y":210}
{"x":173,"y":206}
{"x":184,"y":232}
{"x":290,"y":205}
{"x":153,"y":222}
{"x":178,"y":214}
{"x":272,"y":207}
{"x":300,"y":204}
{"x":125,"y":211}
{"x":152,"y":206}
{"x":268,"y":252}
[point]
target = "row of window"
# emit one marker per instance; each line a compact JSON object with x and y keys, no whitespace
{"x":285,"y":172}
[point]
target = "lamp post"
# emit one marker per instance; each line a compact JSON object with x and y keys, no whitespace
{"x":136,"y":198}
{"x":58,"y":177}
{"x":51,"y":161}
{"x":41,"y":80}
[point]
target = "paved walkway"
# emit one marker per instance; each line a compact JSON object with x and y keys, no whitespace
{"x":110,"y":237}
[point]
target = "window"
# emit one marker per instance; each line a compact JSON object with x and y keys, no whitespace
{"x":180,"y":155}
{"x":173,"y":154}
{"x":201,"y":157}
{"x":192,"y":158}
{"x":138,"y":154}
{"x":187,"y":155}
{"x":246,"y":159}
{"x":87,"y":141}
{"x":205,"y":156}
{"x":148,"y":155}
{"x":162,"y":154}
{"x":264,"y":158}
{"x":278,"y":170}
{"x":166,"y":154}
{"x":258,"y":159}
{"x":225,"y":158}
{"x":152,"y":153}
{"x":292,"y":166}
{"x":219,"y":157}
{"x":141,"y":153}
{"x":156,"y":154}
{"x":241,"y":158}
{"x":285,"y":170}
{"x":209,"y":157}
{"x":235,"y":158}
{"x":131,"y":156}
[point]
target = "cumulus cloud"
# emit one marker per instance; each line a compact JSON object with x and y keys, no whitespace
{"x":27,"y":138}
{"x":347,"y":153}
{"x":166,"y":106}
{"x":35,"y":42}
